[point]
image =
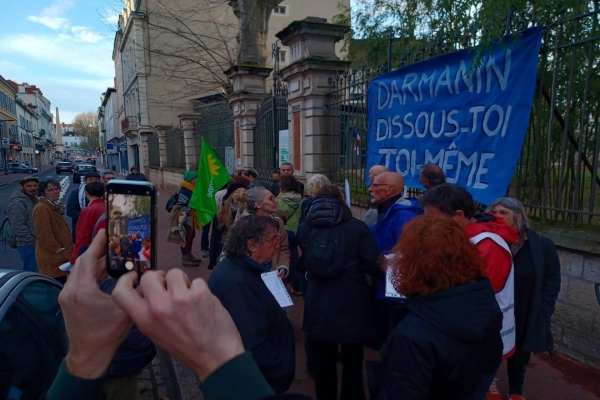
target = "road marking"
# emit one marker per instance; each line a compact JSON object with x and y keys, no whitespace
{"x":64,"y":185}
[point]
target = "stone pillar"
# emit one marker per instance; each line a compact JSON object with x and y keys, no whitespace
{"x":192,"y":153}
{"x":162,"y":144}
{"x":313,"y":60}
{"x":145,"y":156}
{"x":248,"y":89}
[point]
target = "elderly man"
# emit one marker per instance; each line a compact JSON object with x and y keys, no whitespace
{"x":20,"y":216}
{"x":370,"y":217}
{"x":431,"y":175}
{"x":288,"y":169}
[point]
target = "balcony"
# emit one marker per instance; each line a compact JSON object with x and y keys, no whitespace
{"x":129,"y":124}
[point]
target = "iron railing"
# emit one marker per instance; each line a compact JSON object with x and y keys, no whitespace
{"x":175,"y":148}
{"x":215,"y":125}
{"x":153,"y":151}
{"x":557,"y":174}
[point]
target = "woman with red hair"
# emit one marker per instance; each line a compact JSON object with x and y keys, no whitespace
{"x":448,"y":339}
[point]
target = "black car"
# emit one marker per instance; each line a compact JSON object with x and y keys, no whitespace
{"x":33,"y":339}
{"x":82,"y":170}
{"x":64,"y":166}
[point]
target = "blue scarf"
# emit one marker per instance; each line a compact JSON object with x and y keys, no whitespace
{"x":255,"y":264}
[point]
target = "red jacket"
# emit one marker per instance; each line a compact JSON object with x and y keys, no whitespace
{"x":498,"y":260}
{"x":85,"y":225}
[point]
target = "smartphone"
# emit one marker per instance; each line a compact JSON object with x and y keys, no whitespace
{"x":131,"y":227}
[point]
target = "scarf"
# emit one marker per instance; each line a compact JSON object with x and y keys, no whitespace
{"x":516,"y":246}
{"x":82,"y":198}
{"x":60,"y":207}
{"x":195,"y":223}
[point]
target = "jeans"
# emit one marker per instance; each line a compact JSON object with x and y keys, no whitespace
{"x":326,"y":373}
{"x":486,"y":382}
{"x":27,"y":254}
{"x":190,"y":234}
{"x":517,"y":365}
{"x":204,"y":242}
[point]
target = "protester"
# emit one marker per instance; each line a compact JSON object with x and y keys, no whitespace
{"x":107,"y":177}
{"x":448,"y":339}
{"x":89,"y":217}
{"x":221,"y":193}
{"x":431,"y":175}
{"x":316,"y":182}
{"x":262,"y":202}
{"x":251,"y":175}
{"x":287,"y":169}
{"x":264,"y":327}
{"x":337,"y":251}
{"x":234,"y":199}
{"x":54,"y":244}
{"x":289,"y":201}
{"x":20,"y":216}
{"x":77,"y":201}
{"x":184,"y":318}
{"x":183,"y":221}
{"x":537,"y":283}
{"x":371,"y":214}
{"x":135,"y":175}
{"x":493,"y":238}
{"x":296,"y":278}
{"x":276,"y":173}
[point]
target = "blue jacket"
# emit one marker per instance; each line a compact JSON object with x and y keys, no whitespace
{"x":388,"y":231}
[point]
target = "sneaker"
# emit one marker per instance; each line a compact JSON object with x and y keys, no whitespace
{"x":493,"y":392}
{"x":190,"y":263}
{"x":204,"y":253}
{"x":196,"y":260}
{"x":516,"y":397}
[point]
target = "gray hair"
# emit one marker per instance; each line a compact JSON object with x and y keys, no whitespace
{"x":250,"y":227}
{"x":255,"y":195}
{"x":316,"y":182}
{"x":516,"y":207}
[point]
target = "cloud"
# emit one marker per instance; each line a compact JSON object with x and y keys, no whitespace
{"x":52,"y":16}
{"x":8,"y":68}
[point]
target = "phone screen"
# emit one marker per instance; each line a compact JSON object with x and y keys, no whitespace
{"x":131,"y":228}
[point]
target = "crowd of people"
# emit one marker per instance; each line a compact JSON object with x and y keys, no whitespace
{"x":443,"y":289}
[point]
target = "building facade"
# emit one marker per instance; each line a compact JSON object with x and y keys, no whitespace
{"x":8,"y":121}
{"x":26,"y":131}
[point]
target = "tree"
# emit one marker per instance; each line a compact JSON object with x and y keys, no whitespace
{"x":86,"y":124}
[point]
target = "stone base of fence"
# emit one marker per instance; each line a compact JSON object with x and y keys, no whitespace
{"x":169,"y":179}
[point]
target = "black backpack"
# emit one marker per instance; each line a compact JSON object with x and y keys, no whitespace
{"x":172,"y":201}
{"x":324,"y":252}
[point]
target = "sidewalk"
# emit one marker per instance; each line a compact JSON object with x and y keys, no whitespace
{"x":548,"y":377}
{"x":14,"y":178}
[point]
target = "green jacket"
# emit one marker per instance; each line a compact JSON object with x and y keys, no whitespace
{"x":290,"y":202}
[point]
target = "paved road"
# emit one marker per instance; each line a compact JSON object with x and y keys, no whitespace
{"x":10,"y":257}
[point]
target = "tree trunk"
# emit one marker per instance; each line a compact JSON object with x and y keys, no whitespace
{"x":253,"y":16}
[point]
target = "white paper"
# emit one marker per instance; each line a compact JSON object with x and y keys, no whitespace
{"x":277,"y":288}
{"x":390,"y":291}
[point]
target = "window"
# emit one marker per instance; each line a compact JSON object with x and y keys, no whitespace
{"x":281,"y":56}
{"x":280,"y":10}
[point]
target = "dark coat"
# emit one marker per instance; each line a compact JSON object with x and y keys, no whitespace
{"x":215,"y":247}
{"x":339,"y":309}
{"x":74,"y":209}
{"x":136,"y":177}
{"x":444,"y":345}
{"x":264,"y":327}
{"x":546,"y":265}
{"x":304,"y":208}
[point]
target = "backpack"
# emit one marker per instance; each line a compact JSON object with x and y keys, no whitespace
{"x":324,"y":252}
{"x":7,"y":235}
{"x":172,"y":201}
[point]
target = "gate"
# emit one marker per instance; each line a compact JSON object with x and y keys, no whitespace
{"x":271,"y":117}
{"x":215,"y":125}
{"x":557,"y":174}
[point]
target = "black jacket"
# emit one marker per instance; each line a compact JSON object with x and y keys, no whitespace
{"x":215,"y":247}
{"x":546,"y":265}
{"x":74,"y":209}
{"x":264,"y":327}
{"x":444,"y":345}
{"x":340,"y":309}
{"x":136,"y":177}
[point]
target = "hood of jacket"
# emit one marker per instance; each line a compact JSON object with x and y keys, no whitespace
{"x":467,"y":312}
{"x":292,"y":199}
{"x":492,"y":223}
{"x":19,"y":195}
{"x":324,"y":212}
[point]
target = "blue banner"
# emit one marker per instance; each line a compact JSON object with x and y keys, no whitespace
{"x":471,"y":122}
{"x":140,"y":225}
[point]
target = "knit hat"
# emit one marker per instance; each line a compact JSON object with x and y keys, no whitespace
{"x":190,"y":176}
{"x":232,"y":188}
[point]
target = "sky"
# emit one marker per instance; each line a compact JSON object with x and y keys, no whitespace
{"x":64,"y":47}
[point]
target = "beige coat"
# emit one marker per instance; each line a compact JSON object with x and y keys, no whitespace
{"x":52,"y":234}
{"x":176,"y":232}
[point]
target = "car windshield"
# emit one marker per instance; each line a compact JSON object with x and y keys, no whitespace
{"x":65,"y":163}
{"x":86,"y":168}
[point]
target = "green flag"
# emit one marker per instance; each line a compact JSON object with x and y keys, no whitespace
{"x":212,"y":176}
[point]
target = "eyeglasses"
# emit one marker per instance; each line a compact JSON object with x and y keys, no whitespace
{"x":274,"y":238}
{"x":271,"y":197}
{"x":53,"y":190}
{"x":375,"y":185}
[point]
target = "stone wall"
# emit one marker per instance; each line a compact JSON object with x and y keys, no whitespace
{"x":576,"y":322}
{"x":166,"y":179}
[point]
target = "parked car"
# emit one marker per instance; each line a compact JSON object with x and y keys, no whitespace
{"x":33,"y":339}
{"x":82,"y":170}
{"x":78,"y":159}
{"x":598,"y":292}
{"x":16,"y":168}
{"x":64,"y":166}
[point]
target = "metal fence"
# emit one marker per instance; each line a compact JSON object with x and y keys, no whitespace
{"x":215,"y":125}
{"x":557,"y":174}
{"x":153,"y":151}
{"x":175,"y":148}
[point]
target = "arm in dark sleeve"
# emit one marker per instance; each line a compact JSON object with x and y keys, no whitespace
{"x":301,"y":242}
{"x":213,"y":247}
{"x":551,"y":282}
{"x":409,"y":368}
{"x":69,"y":387}
{"x":73,"y":207}
{"x":369,"y":251}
